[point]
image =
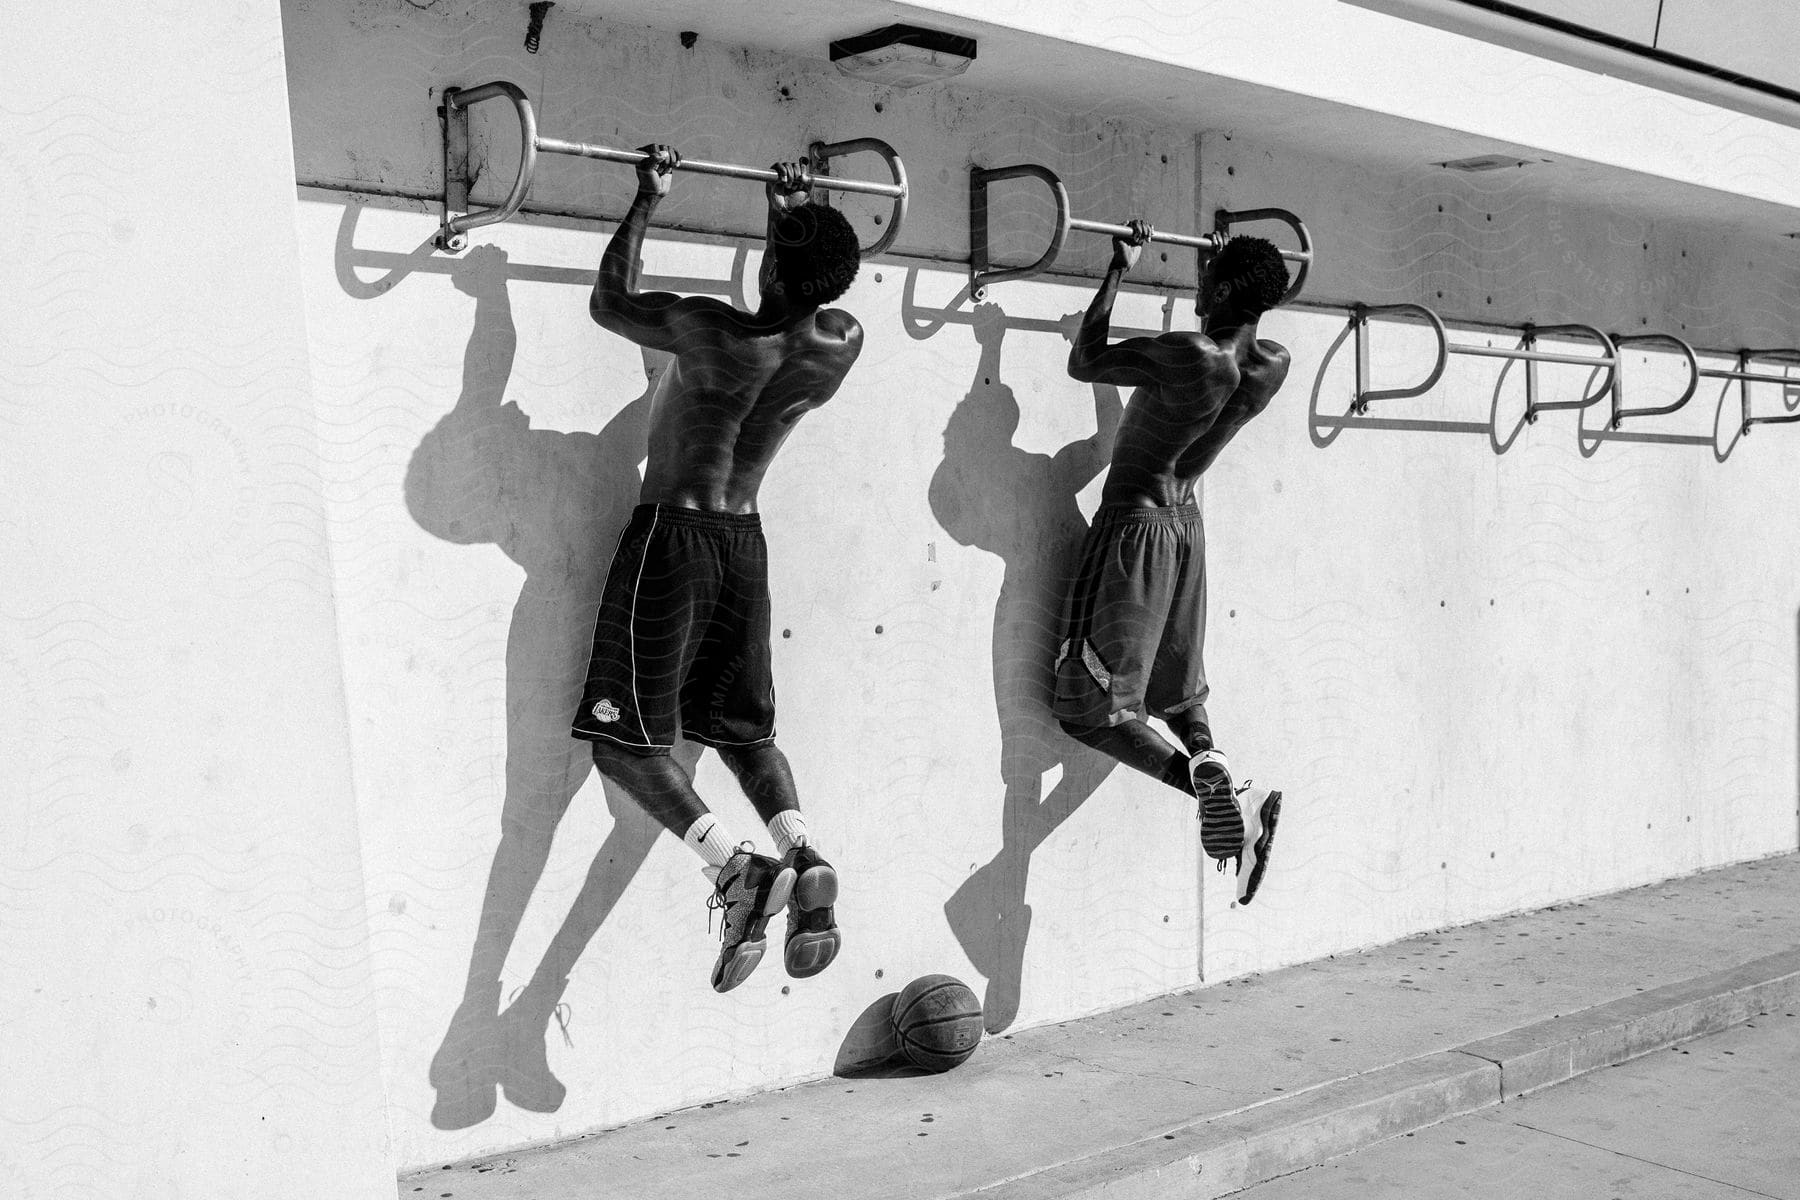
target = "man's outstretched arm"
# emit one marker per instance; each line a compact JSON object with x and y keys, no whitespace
{"x":648,"y":318}
{"x":1135,"y":361}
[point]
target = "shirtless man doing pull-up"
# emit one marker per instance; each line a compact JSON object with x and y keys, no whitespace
{"x":681,"y":645}
{"x":1135,"y":618}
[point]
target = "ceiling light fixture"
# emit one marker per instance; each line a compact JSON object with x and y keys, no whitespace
{"x":903,"y":56}
{"x":1488,"y":162}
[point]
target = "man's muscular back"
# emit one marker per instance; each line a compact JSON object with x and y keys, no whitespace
{"x":735,"y":391}
{"x":740,"y":381}
{"x":1192,"y":397}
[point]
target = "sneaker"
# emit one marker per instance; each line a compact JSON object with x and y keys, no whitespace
{"x":1221,"y":824}
{"x":750,"y":889}
{"x":812,"y":932}
{"x":1261,"y":810}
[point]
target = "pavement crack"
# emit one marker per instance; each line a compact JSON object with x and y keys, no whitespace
{"x":1129,"y":1074}
{"x":1646,"y":1161}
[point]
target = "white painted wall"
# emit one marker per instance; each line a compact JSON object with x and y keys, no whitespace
{"x":186,"y":1009}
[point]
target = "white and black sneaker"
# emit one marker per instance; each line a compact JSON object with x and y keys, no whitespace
{"x":1261,"y":809}
{"x":750,"y":888}
{"x":1221,"y":824}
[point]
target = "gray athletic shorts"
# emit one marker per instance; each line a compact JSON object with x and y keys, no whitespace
{"x":1135,"y":620}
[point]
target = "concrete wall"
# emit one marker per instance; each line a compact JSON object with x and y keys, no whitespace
{"x":185,"y":1009}
{"x":1485,"y":681}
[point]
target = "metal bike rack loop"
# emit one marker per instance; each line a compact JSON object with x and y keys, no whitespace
{"x":982,"y":272}
{"x":1745,"y":377}
{"x":458,"y":101}
{"x":1526,"y":351}
{"x":1622,"y":340}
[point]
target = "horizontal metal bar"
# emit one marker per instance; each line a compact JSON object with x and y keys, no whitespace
{"x":701,"y":166}
{"x":1750,"y":376}
{"x":1532,"y":355}
{"x":1782,"y":419}
{"x":1197,"y":241}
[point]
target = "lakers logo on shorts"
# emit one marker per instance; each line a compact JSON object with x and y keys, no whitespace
{"x":605,"y":710}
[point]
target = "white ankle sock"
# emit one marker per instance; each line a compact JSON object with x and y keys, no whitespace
{"x":706,"y":837}
{"x":789,"y":830}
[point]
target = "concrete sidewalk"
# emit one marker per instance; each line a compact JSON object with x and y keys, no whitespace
{"x":1711,"y":1119}
{"x":1204,"y":1093}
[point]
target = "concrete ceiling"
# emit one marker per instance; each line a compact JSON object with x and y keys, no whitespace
{"x":1067,"y":74}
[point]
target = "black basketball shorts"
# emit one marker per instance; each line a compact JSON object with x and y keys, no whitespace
{"x":1134,"y":623}
{"x":681,"y":644}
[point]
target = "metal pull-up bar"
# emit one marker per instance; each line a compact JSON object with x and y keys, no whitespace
{"x":1525,"y":352}
{"x":455,"y":110}
{"x":981,"y":273}
{"x":1745,"y":377}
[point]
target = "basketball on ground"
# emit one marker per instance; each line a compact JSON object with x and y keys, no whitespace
{"x":937,"y":1021}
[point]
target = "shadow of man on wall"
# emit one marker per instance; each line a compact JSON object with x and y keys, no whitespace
{"x":996,"y":496}
{"x":555,"y":503}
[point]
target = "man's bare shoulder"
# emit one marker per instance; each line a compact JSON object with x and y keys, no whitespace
{"x":705,"y":308}
{"x":1273,"y":368}
{"x":1195,"y":351}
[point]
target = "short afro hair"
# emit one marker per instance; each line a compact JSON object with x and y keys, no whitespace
{"x":1255,"y":270}
{"x":816,"y":254}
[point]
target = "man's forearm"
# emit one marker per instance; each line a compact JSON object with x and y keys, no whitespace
{"x":622,"y":262}
{"x":1096,"y":326}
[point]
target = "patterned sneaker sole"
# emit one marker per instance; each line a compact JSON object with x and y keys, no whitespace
{"x":813,"y":947}
{"x":818,"y":888}
{"x":737,"y":962}
{"x":1266,"y":817}
{"x":810,"y":953}
{"x":1221,"y":824}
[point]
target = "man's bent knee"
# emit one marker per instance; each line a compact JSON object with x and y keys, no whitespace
{"x":626,"y":762}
